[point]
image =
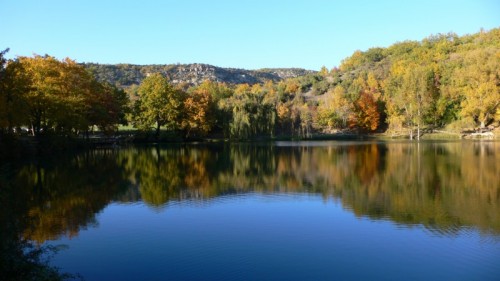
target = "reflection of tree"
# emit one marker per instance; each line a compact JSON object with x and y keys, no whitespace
{"x":20,"y":258}
{"x":440,"y":185}
{"x":65,"y":196}
{"x":437,"y":185}
{"x":158,"y":175}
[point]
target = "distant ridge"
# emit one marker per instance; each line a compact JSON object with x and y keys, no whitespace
{"x":125,"y":75}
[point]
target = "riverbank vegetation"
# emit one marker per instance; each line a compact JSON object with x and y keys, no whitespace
{"x":445,"y":82}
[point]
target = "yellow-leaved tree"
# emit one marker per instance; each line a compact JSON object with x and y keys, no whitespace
{"x":478,"y":84}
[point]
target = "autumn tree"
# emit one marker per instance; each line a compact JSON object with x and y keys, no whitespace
{"x":365,"y":114}
{"x":306,"y":114}
{"x":199,"y":112}
{"x":334,"y":110}
{"x":323,"y":71}
{"x":53,"y":92}
{"x":220,"y":112}
{"x":478,"y":85}
{"x":411,"y":96}
{"x":12,"y":105}
{"x":60,"y":97}
{"x":53,"y":96}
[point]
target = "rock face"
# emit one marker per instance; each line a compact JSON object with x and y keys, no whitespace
{"x":125,"y":75}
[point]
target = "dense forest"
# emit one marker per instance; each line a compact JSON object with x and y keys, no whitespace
{"x":445,"y":82}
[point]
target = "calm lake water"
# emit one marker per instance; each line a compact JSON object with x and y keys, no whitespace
{"x":279,"y":211}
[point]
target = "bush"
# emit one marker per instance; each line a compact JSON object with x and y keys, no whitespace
{"x":461,"y":125}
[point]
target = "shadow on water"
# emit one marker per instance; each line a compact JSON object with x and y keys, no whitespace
{"x":446,"y":186}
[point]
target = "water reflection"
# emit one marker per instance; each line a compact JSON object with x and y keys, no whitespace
{"x":443,"y":186}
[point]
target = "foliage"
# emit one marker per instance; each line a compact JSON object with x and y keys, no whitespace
{"x":159,"y":104}
{"x":58,"y":97}
{"x":335,"y":110}
{"x":478,"y":83}
{"x":251,"y":114}
{"x":199,"y":109}
{"x":431,"y":83}
{"x":366,"y":116}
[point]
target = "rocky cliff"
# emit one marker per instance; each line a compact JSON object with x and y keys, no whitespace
{"x":125,"y":75}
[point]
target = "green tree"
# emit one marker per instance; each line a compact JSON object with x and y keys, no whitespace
{"x":106,"y":106}
{"x":252,"y":114}
{"x":159,"y":104}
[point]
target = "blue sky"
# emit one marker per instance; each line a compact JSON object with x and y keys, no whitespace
{"x":239,"y":33}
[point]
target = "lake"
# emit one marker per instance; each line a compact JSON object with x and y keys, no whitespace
{"x":326,"y":210}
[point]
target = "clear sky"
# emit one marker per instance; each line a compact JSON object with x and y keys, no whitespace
{"x":247,"y":34}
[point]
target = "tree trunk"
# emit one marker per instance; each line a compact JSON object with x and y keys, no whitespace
{"x":187,"y":133}
{"x":10,"y":129}
{"x":157,"y":131}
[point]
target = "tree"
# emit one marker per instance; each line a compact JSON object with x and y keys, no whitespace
{"x":12,"y":104}
{"x":306,"y":121}
{"x":198,"y":113}
{"x":366,"y":115}
{"x":252,"y":114}
{"x":3,"y":91}
{"x":57,"y":97}
{"x":334,"y":110}
{"x":323,"y":71}
{"x":159,"y":104}
{"x":478,"y":84}
{"x":411,"y":97}
{"x":220,"y":111}
{"x":53,"y":92}
{"x":106,"y":106}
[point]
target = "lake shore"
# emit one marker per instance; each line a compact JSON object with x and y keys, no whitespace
{"x":16,"y":147}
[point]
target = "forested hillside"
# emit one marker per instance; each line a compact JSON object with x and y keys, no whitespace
{"x":445,"y":82}
{"x":442,"y":81}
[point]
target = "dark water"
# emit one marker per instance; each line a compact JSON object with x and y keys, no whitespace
{"x":285,"y":211}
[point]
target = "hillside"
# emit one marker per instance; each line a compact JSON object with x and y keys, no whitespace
{"x":124,"y":75}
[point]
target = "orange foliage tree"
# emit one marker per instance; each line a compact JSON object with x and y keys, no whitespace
{"x":366,"y":115}
{"x":199,"y":115}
